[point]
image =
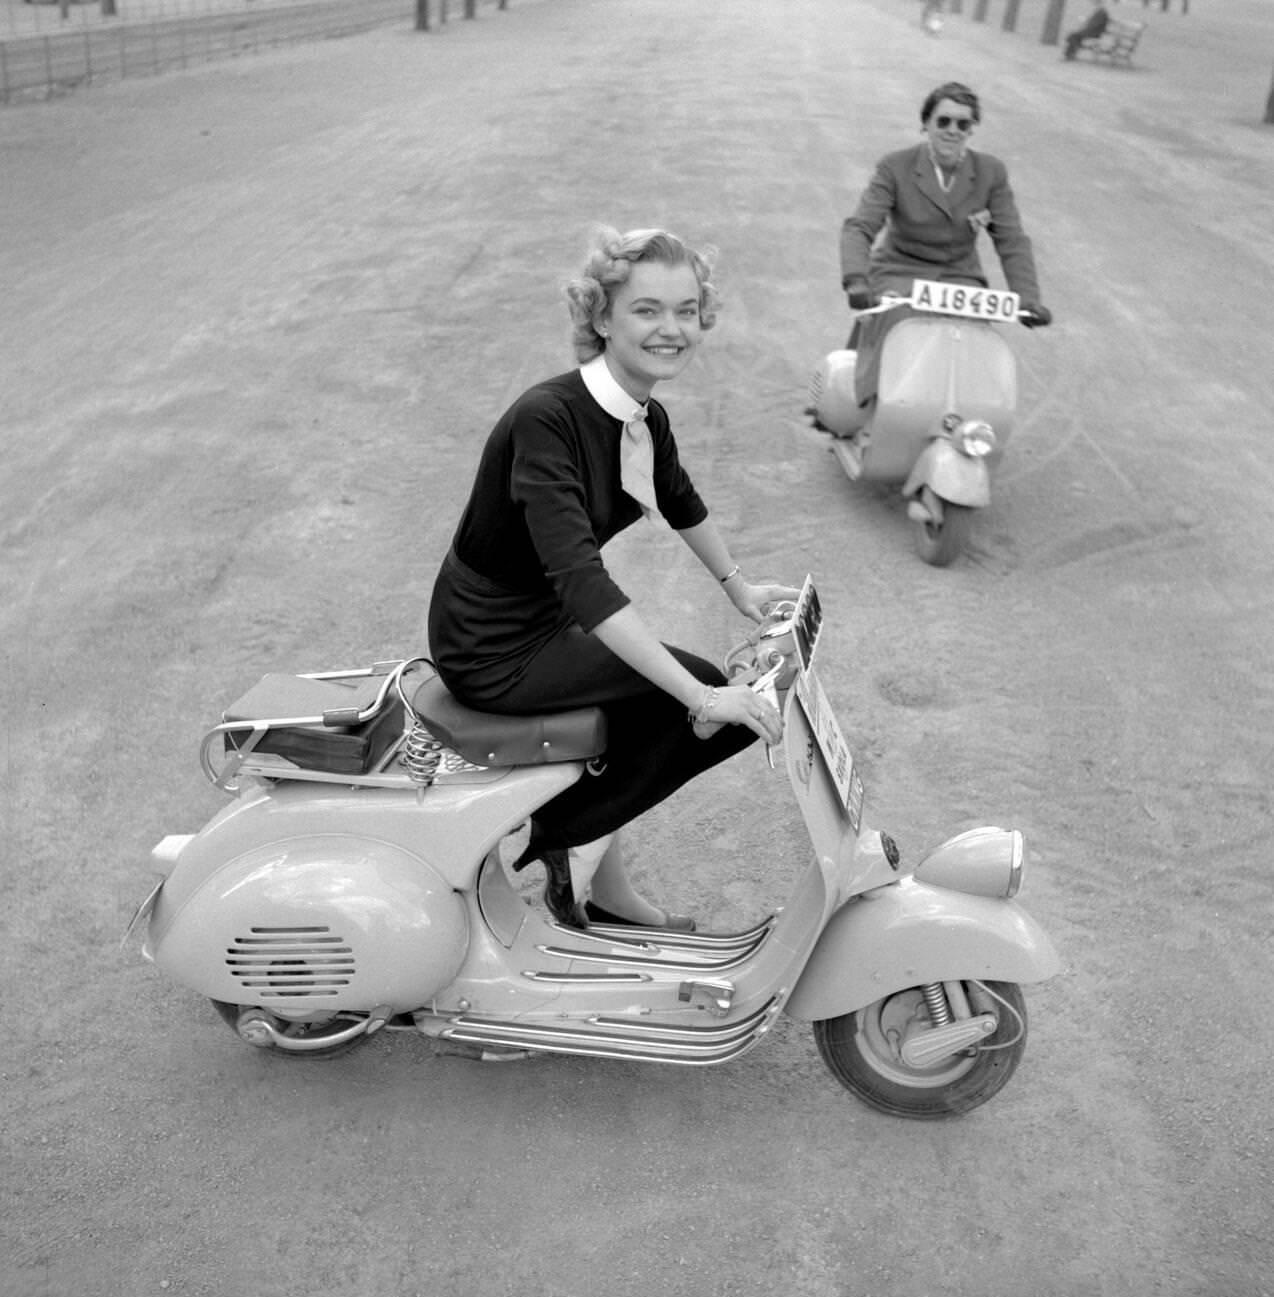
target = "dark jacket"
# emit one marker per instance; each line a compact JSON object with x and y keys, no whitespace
{"x":1095,"y":25}
{"x":548,"y":496}
{"x":929,"y":234}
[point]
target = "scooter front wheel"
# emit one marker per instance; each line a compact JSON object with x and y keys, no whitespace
{"x":864,"y":1051}
{"x":942,"y":543}
{"x":306,"y":1038}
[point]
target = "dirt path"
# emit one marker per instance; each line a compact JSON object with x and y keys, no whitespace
{"x":258,"y":318}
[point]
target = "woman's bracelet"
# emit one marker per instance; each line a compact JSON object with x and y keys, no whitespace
{"x":731,"y":574}
{"x":704,"y":714}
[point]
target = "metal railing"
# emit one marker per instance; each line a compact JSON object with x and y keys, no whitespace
{"x":141,"y":39}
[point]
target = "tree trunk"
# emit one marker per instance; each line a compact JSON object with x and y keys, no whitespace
{"x":1052,"y":22}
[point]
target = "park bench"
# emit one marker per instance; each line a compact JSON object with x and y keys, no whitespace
{"x":1116,"y":43}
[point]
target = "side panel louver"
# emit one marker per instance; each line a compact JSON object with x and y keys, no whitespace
{"x":291,"y":963}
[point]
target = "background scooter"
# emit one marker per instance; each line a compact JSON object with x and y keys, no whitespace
{"x":944,"y":410}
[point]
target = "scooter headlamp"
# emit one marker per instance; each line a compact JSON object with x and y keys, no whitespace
{"x":983,"y":862}
{"x":975,"y":438}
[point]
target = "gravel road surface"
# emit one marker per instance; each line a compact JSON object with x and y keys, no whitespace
{"x":258,"y":318}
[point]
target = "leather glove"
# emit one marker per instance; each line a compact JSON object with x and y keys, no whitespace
{"x":1035,"y":316}
{"x":858,"y":290}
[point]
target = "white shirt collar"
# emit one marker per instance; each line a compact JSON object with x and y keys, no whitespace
{"x":606,"y":391}
{"x":944,"y":181}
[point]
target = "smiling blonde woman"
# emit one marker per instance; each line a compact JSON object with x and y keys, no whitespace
{"x":525,"y":619}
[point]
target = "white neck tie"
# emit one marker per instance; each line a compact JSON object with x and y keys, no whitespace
{"x":637,"y":462}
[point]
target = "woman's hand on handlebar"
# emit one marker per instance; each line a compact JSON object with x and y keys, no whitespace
{"x":739,"y":705}
{"x":754,"y":601}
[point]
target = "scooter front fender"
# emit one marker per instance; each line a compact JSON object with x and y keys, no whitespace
{"x":951,"y":475}
{"x":911,"y":934}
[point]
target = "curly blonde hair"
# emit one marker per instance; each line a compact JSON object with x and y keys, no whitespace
{"x":589,"y":294}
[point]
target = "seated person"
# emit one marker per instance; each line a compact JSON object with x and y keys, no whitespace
{"x":930,"y":201}
{"x":1093,"y":26}
{"x":525,"y":618}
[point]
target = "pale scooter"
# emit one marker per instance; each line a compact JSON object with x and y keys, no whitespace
{"x":944,"y":410}
{"x":323,"y":905}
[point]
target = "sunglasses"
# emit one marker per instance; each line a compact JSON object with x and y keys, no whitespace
{"x":964,"y":124}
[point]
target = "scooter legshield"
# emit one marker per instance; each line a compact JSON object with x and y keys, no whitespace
{"x":932,"y":366}
{"x":911,"y":934}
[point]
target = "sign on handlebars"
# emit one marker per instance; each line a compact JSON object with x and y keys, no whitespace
{"x":805,"y":624}
{"x":831,"y":744}
{"x":807,"y":621}
{"x":964,"y":300}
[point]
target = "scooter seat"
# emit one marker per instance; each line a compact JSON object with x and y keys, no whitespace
{"x":487,"y":739}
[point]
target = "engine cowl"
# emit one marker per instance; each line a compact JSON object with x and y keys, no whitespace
{"x":832,"y":395}
{"x":310,"y":924}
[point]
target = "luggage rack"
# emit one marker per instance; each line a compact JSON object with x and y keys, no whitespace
{"x":405,"y":758}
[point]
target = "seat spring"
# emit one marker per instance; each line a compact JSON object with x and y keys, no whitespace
{"x":422,"y":755}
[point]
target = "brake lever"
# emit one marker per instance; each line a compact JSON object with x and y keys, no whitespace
{"x":765,"y":688}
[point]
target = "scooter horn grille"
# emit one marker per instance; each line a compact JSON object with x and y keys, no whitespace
{"x":291,"y":963}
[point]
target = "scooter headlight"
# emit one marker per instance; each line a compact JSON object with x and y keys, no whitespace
{"x":983,"y":862}
{"x":975,"y":438}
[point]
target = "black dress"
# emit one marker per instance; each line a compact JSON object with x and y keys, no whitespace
{"x":524,"y":585}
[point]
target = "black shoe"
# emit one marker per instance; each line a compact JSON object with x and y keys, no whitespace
{"x":532,"y":852}
{"x":672,"y":922}
{"x":559,"y":896}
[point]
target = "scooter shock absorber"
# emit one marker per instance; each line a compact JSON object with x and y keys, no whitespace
{"x":936,"y":1000}
{"x":422,"y":755}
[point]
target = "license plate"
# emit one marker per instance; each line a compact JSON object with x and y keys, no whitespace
{"x":964,"y":300}
{"x":831,"y":743}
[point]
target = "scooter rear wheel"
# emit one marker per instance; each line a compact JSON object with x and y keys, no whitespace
{"x":942,"y":543}
{"x":863,"y":1051}
{"x":308,"y":1031}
